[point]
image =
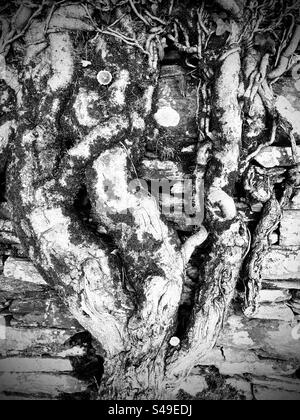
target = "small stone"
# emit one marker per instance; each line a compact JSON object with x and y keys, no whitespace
{"x":104,"y":77}
{"x":85,"y":63}
{"x":257,"y":208}
{"x":167,"y":117}
{"x":189,"y":149}
{"x":74,"y":351}
{"x":174,"y":342}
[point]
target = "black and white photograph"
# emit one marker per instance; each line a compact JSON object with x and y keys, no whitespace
{"x":150,"y":203}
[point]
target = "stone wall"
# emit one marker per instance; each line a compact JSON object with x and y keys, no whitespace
{"x":44,"y":353}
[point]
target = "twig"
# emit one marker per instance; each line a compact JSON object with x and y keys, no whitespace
{"x":171,"y":7}
{"x":16,"y":37}
{"x":184,"y":32}
{"x":54,"y":6}
{"x":155,"y":18}
{"x":286,"y":55}
{"x":200,"y":20}
{"x":129,"y":41}
{"x":137,"y":13}
{"x":183,"y":48}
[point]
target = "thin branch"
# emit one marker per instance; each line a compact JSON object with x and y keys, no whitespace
{"x":137,"y":13}
{"x":16,"y":37}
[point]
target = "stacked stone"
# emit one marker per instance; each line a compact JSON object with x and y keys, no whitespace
{"x":43,"y":350}
{"x":281,"y":266}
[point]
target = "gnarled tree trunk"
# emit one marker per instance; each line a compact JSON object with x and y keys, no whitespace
{"x":88,"y":106}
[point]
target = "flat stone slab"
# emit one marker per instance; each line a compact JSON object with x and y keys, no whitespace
{"x":232,"y":361}
{"x":282,"y":264}
{"x":290,"y":228}
{"x":22,"y":269}
{"x":263,"y":393}
{"x":274,"y":296}
{"x":282,"y":284}
{"x":280,"y":312}
{"x":27,"y":364}
{"x":271,"y":157}
{"x":33,"y":341}
{"x":11,"y":287}
{"x":40,"y":384}
{"x":273,"y":338}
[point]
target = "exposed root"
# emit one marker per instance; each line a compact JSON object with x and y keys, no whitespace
{"x":260,"y":245}
{"x":286,"y":56}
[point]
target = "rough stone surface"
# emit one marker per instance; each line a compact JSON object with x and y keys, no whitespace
{"x":290,"y":228}
{"x":267,"y":337}
{"x":11,"y":287}
{"x":194,"y":384}
{"x":233,"y":361}
{"x":23,"y":270}
{"x":44,"y":310}
{"x":266,"y":394}
{"x":280,"y":312}
{"x":35,"y":365}
{"x":40,"y":384}
{"x":281,"y":264}
{"x":242,"y":386}
{"x":282,"y":284}
{"x":273,"y":296}
{"x":18,"y":340}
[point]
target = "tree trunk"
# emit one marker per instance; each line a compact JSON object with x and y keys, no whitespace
{"x":107,"y":102}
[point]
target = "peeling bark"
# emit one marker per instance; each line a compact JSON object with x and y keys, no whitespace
{"x":124,"y":279}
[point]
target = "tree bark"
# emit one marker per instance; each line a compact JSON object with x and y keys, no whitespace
{"x":79,"y":124}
